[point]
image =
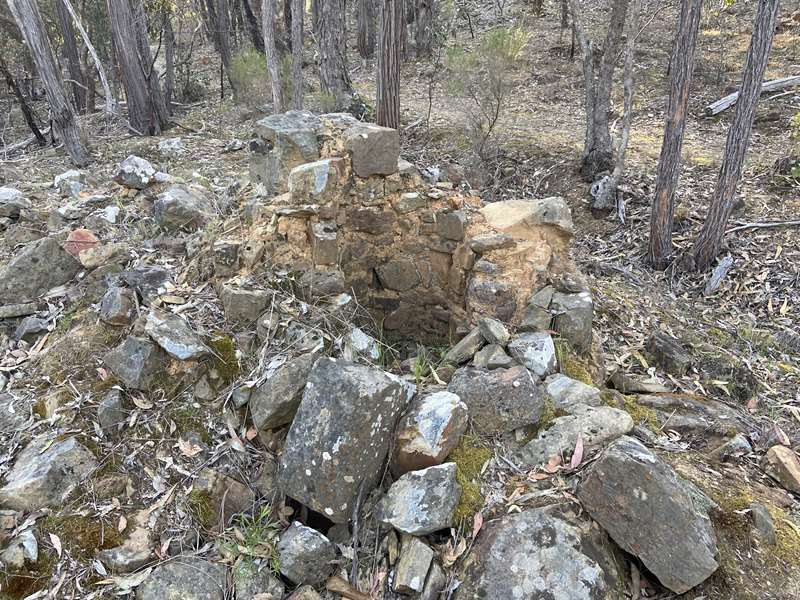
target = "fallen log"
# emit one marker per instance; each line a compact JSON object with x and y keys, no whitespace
{"x":768,"y":86}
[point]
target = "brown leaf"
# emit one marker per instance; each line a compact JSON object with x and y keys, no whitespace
{"x":577,"y":455}
{"x":477,"y":523}
{"x":553,"y":464}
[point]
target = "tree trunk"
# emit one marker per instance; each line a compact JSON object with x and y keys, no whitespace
{"x":710,"y":238}
{"x":425,"y":26}
{"x":598,"y":153}
{"x":316,"y":15}
{"x":147,"y":111}
{"x":681,"y":66}
{"x":65,"y":125}
{"x":389,"y":53}
{"x":209,"y":12}
{"x":298,"y":9}
{"x":73,"y":59}
{"x":224,"y":41}
{"x":268,"y":13}
{"x":366,"y":28}
{"x":252,"y":27}
{"x":97,"y":64}
{"x":334,"y":78}
{"x":27,"y":112}
{"x":169,"y":60}
{"x":287,"y":22}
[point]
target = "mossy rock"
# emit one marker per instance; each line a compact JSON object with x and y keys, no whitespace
{"x":469,"y":457}
{"x":224,"y":359}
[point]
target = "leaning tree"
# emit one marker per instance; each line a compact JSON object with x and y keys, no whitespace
{"x":65,"y":125}
{"x":669,"y":164}
{"x":709,"y":240}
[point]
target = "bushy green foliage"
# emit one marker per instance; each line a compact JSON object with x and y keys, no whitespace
{"x":483,"y":78}
{"x":252,"y":538}
{"x":250,"y":76}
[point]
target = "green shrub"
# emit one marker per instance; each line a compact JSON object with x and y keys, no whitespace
{"x":483,"y":78}
{"x":250,"y":77}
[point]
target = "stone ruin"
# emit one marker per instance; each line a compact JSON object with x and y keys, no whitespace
{"x":340,"y":205}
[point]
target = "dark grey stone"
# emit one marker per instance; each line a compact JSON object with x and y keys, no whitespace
{"x":40,"y":266}
{"x":187,"y":578}
{"x":134,"y":172}
{"x":374,"y":150}
{"x":275,"y":402}
{"x":137,"y":362}
{"x":183,"y":208}
{"x":305,"y":555}
{"x":118,"y":306}
{"x":174,"y":335}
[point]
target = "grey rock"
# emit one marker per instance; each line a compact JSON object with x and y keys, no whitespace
{"x":134,"y":172}
{"x":174,"y":335}
{"x":399,"y":274}
{"x":135,"y":551}
{"x":566,"y":393}
{"x":30,"y":328}
{"x":435,"y":584}
{"x":183,"y":208}
{"x":283,"y":142}
{"x":651,"y":513}
{"x":763,"y":524}
{"x":306,"y":556}
{"x":535,"y":318}
{"x":70,"y":183}
{"x":324,"y":242}
{"x":364,"y":345}
{"x":12,"y":202}
{"x":668,"y":353}
{"x":172,"y":147}
{"x":493,"y":331}
{"x":243,"y":306}
{"x":21,"y":551}
{"x":118,"y":306}
{"x":320,"y":284}
{"x":573,"y":316}
{"x":374,"y":150}
{"x":45,"y":475}
{"x":137,"y":362}
{"x":465,"y":349}
{"x":149,"y":281}
{"x":536,"y":351}
{"x":421,"y":502}
{"x":252,"y":582}
{"x":409,"y":202}
{"x":187,"y":578}
{"x":734,"y":449}
{"x":782,"y":464}
{"x":490,"y":296}
{"x":540,"y":553}
{"x":481,"y":244}
{"x":317,"y":182}
{"x":111,"y":413}
{"x":596,"y":425}
{"x":500,"y":400}
{"x":518,"y":216}
{"x":305,"y":592}
{"x":275,"y":402}
{"x":429,"y":431}
{"x":41,"y":265}
{"x":412,"y":567}
{"x":340,"y":435}
{"x":451,"y":225}
{"x":543,"y":297}
{"x":694,"y":415}
{"x":492,"y":357}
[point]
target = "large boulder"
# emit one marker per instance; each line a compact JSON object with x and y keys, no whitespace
{"x":651,"y":513}
{"x":500,"y":400}
{"x":187,"y":578}
{"x":421,"y":502}
{"x":340,"y":435}
{"x":45,"y":474}
{"x":540,"y":553}
{"x":183,"y":208}
{"x":595,"y":425}
{"x":429,"y":431}
{"x":40,"y":266}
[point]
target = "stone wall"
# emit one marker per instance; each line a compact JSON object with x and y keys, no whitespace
{"x":340,"y":206}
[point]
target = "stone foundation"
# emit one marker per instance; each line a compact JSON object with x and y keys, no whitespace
{"x":341,"y":207}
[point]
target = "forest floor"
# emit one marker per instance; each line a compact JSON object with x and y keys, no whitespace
{"x":745,"y":337}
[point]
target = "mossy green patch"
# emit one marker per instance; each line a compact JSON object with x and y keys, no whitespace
{"x":469,"y":457}
{"x":82,"y":536}
{"x":570,"y":363}
{"x":202,"y":506}
{"x":641,"y":415}
{"x":224,"y":360}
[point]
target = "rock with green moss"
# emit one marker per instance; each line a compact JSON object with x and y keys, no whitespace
{"x":594,"y":425}
{"x":500,"y":400}
{"x":695,"y":415}
{"x":45,"y":473}
{"x":547,"y":552}
{"x":651,"y":513}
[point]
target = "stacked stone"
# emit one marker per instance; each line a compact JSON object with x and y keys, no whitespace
{"x":348,"y":212}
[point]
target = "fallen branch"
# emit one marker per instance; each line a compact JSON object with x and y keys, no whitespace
{"x":763,"y":225}
{"x":719,"y":273}
{"x":768,"y":86}
{"x":23,"y":144}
